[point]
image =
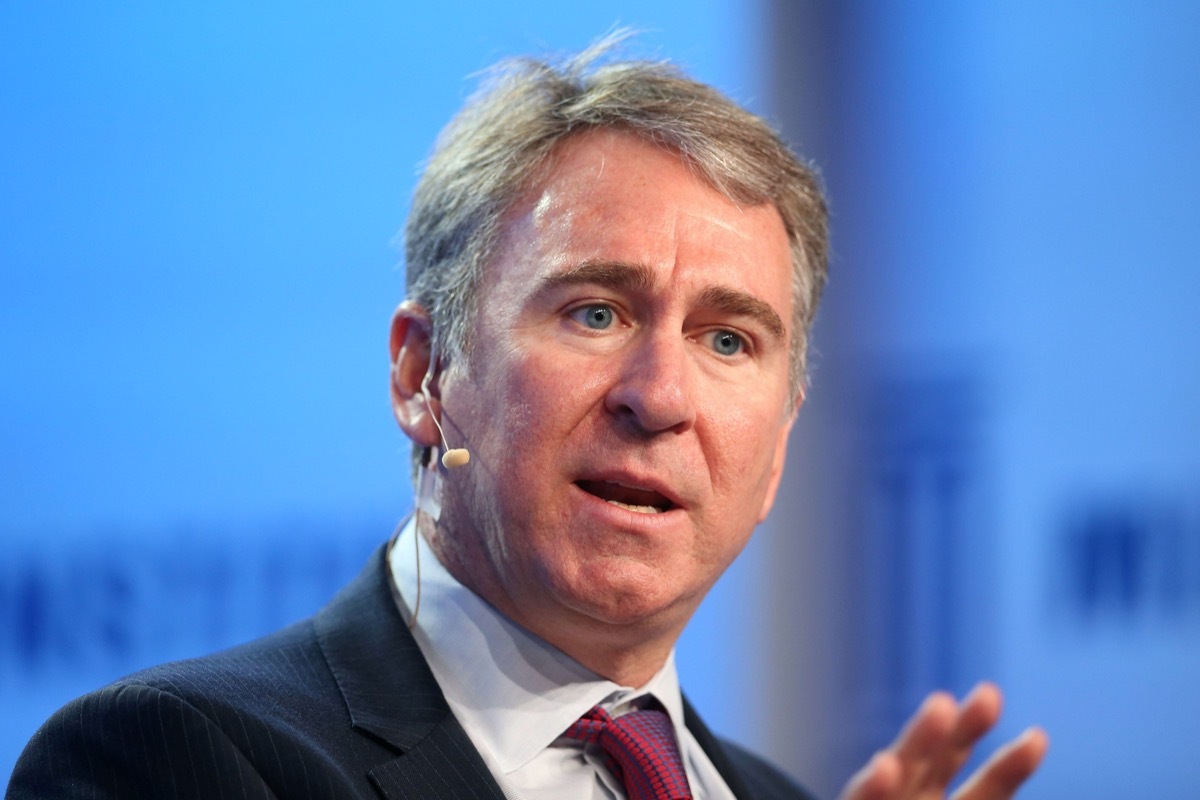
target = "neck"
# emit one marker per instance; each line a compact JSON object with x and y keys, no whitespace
{"x":615,"y":652}
{"x":624,"y":666}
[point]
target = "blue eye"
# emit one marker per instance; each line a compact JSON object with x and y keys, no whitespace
{"x":595,"y":317}
{"x":727,"y":343}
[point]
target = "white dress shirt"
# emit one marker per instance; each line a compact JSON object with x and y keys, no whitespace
{"x":515,"y":694}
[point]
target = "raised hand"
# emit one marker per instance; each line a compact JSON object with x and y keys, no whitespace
{"x":934,"y":745}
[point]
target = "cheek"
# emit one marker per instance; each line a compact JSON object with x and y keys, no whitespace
{"x":740,"y":451}
{"x":504,"y":393}
{"x":738,"y":439}
{"x":552,"y":392}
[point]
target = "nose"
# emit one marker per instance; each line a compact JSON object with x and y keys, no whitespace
{"x":653,"y":391}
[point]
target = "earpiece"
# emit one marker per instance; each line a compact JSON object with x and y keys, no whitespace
{"x":453,"y":457}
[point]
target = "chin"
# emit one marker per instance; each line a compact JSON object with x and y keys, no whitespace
{"x":625,"y":594}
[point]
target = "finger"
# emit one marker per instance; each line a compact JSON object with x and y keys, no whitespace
{"x":977,"y":715}
{"x":1007,"y":769}
{"x":878,"y":780}
{"x":921,"y":740}
{"x":907,"y":758}
{"x":927,"y":730}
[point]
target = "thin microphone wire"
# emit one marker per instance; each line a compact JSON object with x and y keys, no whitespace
{"x":452,"y":458}
{"x":425,"y":394}
{"x":421,"y":491}
{"x":421,"y":488}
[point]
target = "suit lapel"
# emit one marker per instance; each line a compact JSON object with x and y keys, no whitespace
{"x":443,"y":765}
{"x":391,"y":694}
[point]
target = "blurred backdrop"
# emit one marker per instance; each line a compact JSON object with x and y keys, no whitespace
{"x":996,"y":474}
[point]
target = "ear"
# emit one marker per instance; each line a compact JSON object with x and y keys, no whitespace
{"x":410,"y":352}
{"x":779,"y":457}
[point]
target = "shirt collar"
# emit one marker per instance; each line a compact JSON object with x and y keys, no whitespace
{"x":514,"y":693}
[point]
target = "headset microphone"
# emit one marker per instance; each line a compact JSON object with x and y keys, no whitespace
{"x":453,"y":457}
{"x":456,"y":457}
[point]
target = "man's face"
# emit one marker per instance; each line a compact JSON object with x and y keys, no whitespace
{"x":626,"y":397}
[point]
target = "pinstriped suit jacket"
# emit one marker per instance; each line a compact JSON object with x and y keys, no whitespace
{"x":341,"y":705}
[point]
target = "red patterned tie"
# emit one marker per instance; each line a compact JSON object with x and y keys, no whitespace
{"x":640,"y":752}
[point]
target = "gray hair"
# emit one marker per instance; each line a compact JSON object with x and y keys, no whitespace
{"x":500,"y":144}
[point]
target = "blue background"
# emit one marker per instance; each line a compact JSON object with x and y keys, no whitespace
{"x":995,"y":475}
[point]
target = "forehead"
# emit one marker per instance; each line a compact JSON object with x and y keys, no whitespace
{"x":609,"y":195}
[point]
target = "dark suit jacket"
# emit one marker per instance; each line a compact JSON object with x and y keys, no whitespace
{"x":342,"y":705}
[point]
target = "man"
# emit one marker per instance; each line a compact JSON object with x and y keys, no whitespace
{"x":612,"y":273}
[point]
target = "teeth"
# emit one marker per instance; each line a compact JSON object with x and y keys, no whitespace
{"x":638,"y":509}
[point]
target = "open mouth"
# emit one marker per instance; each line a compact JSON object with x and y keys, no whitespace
{"x":643,"y":501}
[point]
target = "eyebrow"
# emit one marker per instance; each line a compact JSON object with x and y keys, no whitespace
{"x":609,"y":274}
{"x":739,"y":303}
{"x":639,"y":277}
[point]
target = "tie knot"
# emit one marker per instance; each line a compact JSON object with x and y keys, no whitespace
{"x":640,"y":752}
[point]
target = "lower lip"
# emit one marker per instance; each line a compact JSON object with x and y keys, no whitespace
{"x":617,"y":516}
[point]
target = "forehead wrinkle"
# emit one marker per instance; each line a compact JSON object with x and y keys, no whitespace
{"x":729,"y":226}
